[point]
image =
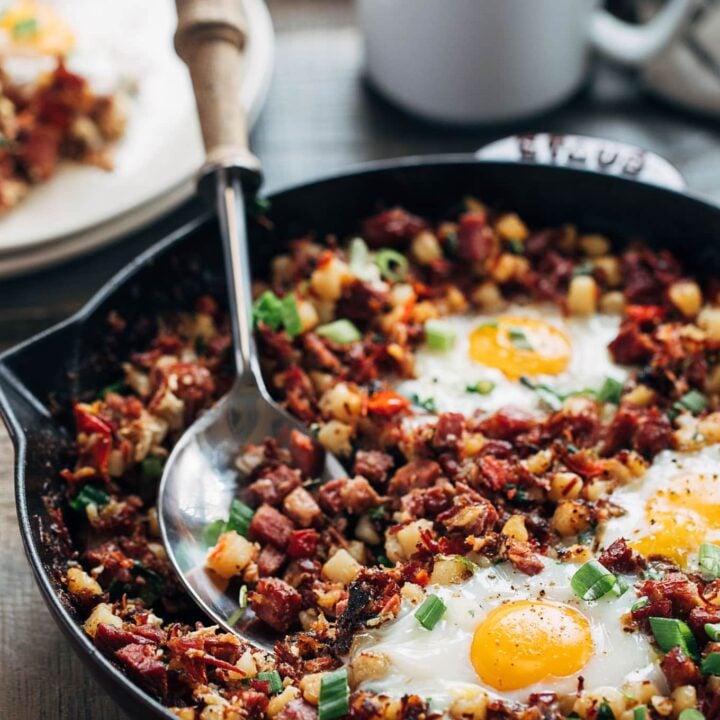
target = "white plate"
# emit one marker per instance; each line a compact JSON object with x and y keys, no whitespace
{"x":84,"y":207}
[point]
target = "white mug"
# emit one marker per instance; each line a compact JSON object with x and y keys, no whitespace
{"x":466,"y":61}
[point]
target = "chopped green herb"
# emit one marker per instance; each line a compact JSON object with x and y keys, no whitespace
{"x":393,"y":265}
{"x":694,"y":401}
{"x":439,"y":335}
{"x":212,"y":532}
{"x":24,"y":29}
{"x":273,"y":677}
{"x":290,"y":315}
{"x":428,"y":404}
{"x":671,"y":632}
{"x":709,"y":559}
{"x":334,"y":701}
{"x":711,"y":664}
{"x":342,"y":332}
{"x":639,"y":604}
{"x":640,"y":712}
{"x":604,"y":711}
{"x":384,"y":561}
{"x":236,"y":616}
{"x":713,"y":631}
{"x":584,"y":268}
{"x":610,"y":392}
{"x":516,"y":246}
{"x":481,"y":387}
{"x":430,"y":612}
{"x":89,"y":495}
{"x":268,"y":309}
{"x":377,"y":513}
{"x":259,"y":206}
{"x":359,"y":260}
{"x":592,"y":581}
{"x":239,"y":517}
{"x":152,"y":467}
{"x":653,"y":573}
{"x":691,"y":714}
{"x":519,"y":339}
{"x":150,"y":584}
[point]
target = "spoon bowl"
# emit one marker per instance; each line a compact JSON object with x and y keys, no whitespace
{"x":201,"y":479}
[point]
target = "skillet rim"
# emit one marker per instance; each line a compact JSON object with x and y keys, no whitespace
{"x":114,"y":681}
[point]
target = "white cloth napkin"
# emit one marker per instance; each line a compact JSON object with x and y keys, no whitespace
{"x":688,"y":73}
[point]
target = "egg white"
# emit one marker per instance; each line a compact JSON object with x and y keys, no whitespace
{"x":667,"y":467}
{"x":444,"y":375}
{"x":436,"y":663}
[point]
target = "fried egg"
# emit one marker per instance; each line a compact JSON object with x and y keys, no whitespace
{"x":672,"y":509}
{"x":511,"y":634}
{"x":537,"y":342}
{"x":95,"y":39}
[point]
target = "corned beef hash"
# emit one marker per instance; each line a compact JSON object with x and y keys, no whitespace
{"x":529,"y":527}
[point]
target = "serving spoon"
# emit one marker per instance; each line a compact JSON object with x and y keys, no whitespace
{"x":200,"y":478}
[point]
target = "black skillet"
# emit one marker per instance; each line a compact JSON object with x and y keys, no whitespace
{"x":549,"y":180}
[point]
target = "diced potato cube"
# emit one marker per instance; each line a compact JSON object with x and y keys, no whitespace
{"x":232,"y":554}
{"x":102,"y":614}
{"x":342,"y":567}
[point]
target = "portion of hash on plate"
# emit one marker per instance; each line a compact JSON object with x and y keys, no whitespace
{"x":529,"y":525}
{"x":47,"y":113}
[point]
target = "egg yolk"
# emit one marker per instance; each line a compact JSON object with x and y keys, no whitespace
{"x":32,"y":27}
{"x":680,"y":517}
{"x":520,"y":346}
{"x":526,"y":642}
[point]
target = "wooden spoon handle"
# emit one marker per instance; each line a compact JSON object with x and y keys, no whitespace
{"x":210,"y":38}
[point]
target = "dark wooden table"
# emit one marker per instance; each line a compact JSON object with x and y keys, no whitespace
{"x":319,"y":117}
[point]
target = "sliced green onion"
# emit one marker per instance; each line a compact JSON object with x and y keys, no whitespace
{"x":334,"y":701}
{"x":428,"y":404}
{"x":212,"y":532}
{"x":152,"y":467}
{"x":519,"y":339}
{"x":653,"y":573}
{"x":239,"y":517}
{"x":711,"y":664}
{"x":268,"y":309}
{"x":691,"y":714}
{"x":290,"y":315}
{"x":621,"y":586}
{"x":358,"y":255}
{"x":377,"y":513}
{"x":236,"y":616}
{"x":671,"y":632}
{"x":610,"y":392}
{"x":242,"y":597}
{"x":713,"y":631}
{"x":259,"y":206}
{"x":152,"y":586}
{"x":694,"y":401}
{"x":393,"y":265}
{"x":89,"y":495}
{"x":430,"y":612}
{"x":640,"y":713}
{"x":25,"y":28}
{"x":604,"y":711}
{"x":639,"y":604}
{"x":439,"y":335}
{"x":273,"y":677}
{"x":709,"y":559}
{"x":342,"y":332}
{"x":592,"y":581}
{"x":481,"y":387}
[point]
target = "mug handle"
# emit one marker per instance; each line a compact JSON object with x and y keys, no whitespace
{"x":637,"y":44}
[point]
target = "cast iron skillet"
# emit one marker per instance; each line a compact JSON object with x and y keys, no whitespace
{"x":75,"y":358}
